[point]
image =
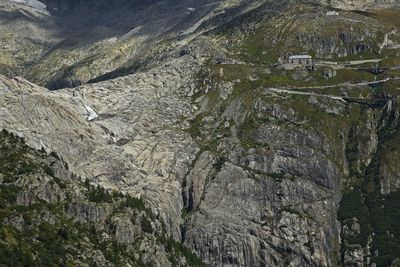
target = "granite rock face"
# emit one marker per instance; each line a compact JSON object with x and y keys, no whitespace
{"x":185,"y":121}
{"x":144,"y":151}
{"x":58,"y":219}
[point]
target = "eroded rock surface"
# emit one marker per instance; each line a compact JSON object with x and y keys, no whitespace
{"x":240,"y":174}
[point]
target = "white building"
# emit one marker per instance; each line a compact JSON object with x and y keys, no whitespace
{"x":301,"y":59}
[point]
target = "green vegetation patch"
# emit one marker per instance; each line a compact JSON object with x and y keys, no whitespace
{"x":44,"y":234}
{"x":377,"y":214}
{"x":175,"y":248}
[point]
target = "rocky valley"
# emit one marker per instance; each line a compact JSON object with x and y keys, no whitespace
{"x":199,"y":133}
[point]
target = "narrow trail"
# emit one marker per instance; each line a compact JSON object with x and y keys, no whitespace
{"x":347,"y":84}
{"x":383,"y":68}
{"x":344,"y":99}
{"x":291,"y":92}
{"x":347,"y":64}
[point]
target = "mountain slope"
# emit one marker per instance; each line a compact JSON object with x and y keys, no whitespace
{"x":239,"y":157}
{"x":51,"y":218}
{"x":93,"y":39}
{"x":81,"y":41}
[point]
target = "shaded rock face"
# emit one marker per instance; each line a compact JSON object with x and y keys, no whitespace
{"x":61,"y":6}
{"x":124,"y":230}
{"x":265,"y":206}
{"x":104,"y":12}
{"x":84,"y":212}
{"x":343,"y":45}
{"x":217,"y":231}
{"x":81,"y":41}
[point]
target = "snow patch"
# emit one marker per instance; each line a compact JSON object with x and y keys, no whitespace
{"x":91,"y":113}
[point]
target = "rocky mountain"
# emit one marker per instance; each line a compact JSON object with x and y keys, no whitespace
{"x":179,"y":133}
{"x":51,"y":218}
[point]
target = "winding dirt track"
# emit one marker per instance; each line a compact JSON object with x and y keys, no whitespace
{"x":340,"y":98}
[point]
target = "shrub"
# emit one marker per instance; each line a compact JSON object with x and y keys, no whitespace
{"x":146,"y":225}
{"x":99,"y":195}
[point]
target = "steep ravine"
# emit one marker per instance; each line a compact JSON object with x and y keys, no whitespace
{"x":370,"y":230}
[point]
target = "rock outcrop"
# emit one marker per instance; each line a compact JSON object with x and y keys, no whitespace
{"x":50,"y":219}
